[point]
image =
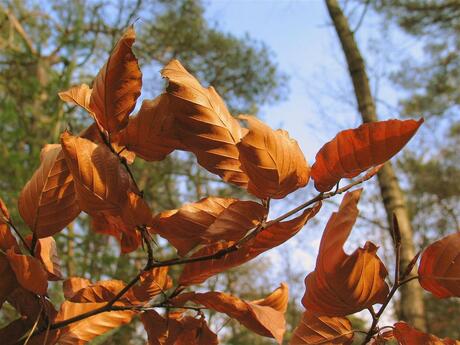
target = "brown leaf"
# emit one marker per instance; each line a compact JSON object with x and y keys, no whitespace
{"x":46,"y":251}
{"x":7,"y":240}
{"x":439,"y":270}
{"x":8,"y":281}
{"x":152,"y":283}
{"x":343,"y":284}
{"x":72,"y":285}
{"x":29,"y":272}
{"x":30,"y":306}
{"x":210,"y":219}
{"x":355,"y":150}
{"x":150,"y":134}
{"x":4,"y":210}
{"x":117,"y":86}
{"x":47,"y":202}
{"x":273,"y":236}
{"x":81,"y":332}
{"x":92,"y":133}
{"x":273,"y":161}
{"x":79,"y":95}
{"x":259,"y":316}
{"x":101,"y":182}
{"x":407,"y":335}
{"x":102,"y":291}
{"x":316,"y":330}
{"x":204,"y":124}
{"x":155,"y":326}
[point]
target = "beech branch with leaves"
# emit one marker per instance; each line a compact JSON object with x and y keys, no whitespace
{"x":91,"y":172}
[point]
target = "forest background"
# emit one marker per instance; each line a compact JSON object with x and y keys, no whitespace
{"x":280,"y":60}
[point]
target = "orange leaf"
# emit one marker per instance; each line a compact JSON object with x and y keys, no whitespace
{"x":260,"y":316}
{"x":210,"y":219}
{"x":102,"y":291}
{"x":46,"y":251}
{"x":343,"y":284}
{"x":314,"y":330}
{"x":101,"y":182}
{"x":74,"y":284}
{"x":79,"y":95}
{"x":29,"y":305}
{"x":8,"y":281}
{"x":4,"y":210}
{"x":273,"y":161}
{"x":47,"y":202}
{"x":151,"y":134}
{"x":152,"y":283}
{"x":439,"y":270}
{"x":155,"y":326}
{"x":273,"y":236}
{"x":7,"y":240}
{"x":407,"y":335}
{"x":204,"y":124}
{"x":29,"y":272}
{"x":355,"y":150}
{"x":117,"y":86}
{"x":81,"y":332}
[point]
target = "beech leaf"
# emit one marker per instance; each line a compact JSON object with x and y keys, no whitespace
{"x":204,"y":124}
{"x":79,"y":95}
{"x":117,"y":86}
{"x":47,"y":202}
{"x":272,"y":160}
{"x":209,"y":220}
{"x":407,"y":335}
{"x":343,"y":284}
{"x":316,"y":330}
{"x":29,"y":272}
{"x":355,"y":150}
{"x":439,"y":270}
{"x":273,"y":236}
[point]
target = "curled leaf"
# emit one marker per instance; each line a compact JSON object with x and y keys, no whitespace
{"x":72,"y":285}
{"x":204,"y":124}
{"x":439,"y":270}
{"x":272,"y":236}
{"x":47,"y":202}
{"x":407,"y":335}
{"x":355,"y":150}
{"x":343,"y":284}
{"x":79,"y":95}
{"x":208,"y":220}
{"x":29,"y":272}
{"x":315,"y":330}
{"x":46,"y":251}
{"x":8,"y":282}
{"x":117,"y":86}
{"x":272,"y":160}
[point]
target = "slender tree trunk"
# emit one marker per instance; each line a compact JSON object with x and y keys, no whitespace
{"x":411,"y":304}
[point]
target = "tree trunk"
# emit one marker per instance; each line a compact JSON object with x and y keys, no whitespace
{"x":411,"y":304}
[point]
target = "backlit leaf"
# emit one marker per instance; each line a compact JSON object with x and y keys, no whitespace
{"x":79,"y":95}
{"x":29,"y":272}
{"x":47,"y":202}
{"x":439,"y":270}
{"x":74,"y":284}
{"x":272,"y":160}
{"x":355,"y":150}
{"x":343,"y":284}
{"x":117,"y":86}
{"x":273,"y":236}
{"x":316,"y":330}
{"x":204,"y":124}
{"x":208,"y":220}
{"x":46,"y":251}
{"x":407,"y":335}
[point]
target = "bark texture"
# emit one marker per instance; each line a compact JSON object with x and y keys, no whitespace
{"x":411,"y":307}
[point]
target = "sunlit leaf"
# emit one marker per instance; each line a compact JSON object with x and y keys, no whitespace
{"x":343,"y":284}
{"x":355,"y":150}
{"x":29,"y":272}
{"x":407,"y":335}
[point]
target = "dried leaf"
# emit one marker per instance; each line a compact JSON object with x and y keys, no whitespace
{"x":79,"y":95}
{"x":316,"y":330}
{"x":46,"y":251}
{"x":4,"y":211}
{"x":273,"y":236}
{"x":74,"y":284}
{"x":204,"y":124}
{"x":407,"y":335}
{"x":343,"y":284}
{"x":439,"y":270}
{"x":29,"y":272}
{"x":101,"y":182}
{"x":47,"y":202}
{"x":152,"y":283}
{"x":210,"y":219}
{"x":8,"y":282}
{"x":117,"y":86}
{"x":102,"y":291}
{"x":355,"y":150}
{"x":273,"y":161}
{"x":155,"y":326}
{"x":7,"y":240}
{"x":150,"y":134}
{"x":259,"y":316}
{"x":81,"y":332}
{"x":29,"y":305}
